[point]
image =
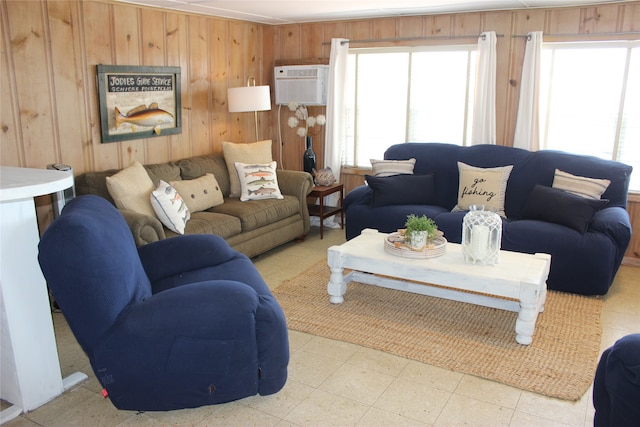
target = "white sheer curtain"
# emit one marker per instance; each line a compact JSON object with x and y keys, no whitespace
{"x":484,"y":105}
{"x":527,"y":132}
{"x":335,"y":139}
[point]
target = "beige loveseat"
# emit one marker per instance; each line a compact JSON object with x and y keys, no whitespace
{"x":251,"y":227}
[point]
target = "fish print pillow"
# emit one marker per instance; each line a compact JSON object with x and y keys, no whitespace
{"x":170,"y":209}
{"x":258,"y":181}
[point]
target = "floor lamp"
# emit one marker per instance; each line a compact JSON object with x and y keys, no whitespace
{"x":249,"y":98}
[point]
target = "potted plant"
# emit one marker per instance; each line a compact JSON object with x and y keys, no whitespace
{"x":419,"y":230}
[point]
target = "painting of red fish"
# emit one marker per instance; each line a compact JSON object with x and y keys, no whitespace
{"x":150,"y":116}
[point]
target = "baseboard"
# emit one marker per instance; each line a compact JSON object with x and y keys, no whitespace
{"x":631,"y":261}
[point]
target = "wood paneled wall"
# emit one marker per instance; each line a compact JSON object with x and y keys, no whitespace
{"x":48,"y":94}
{"x":49,"y":104}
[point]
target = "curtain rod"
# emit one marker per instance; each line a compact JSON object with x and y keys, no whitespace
{"x":403,"y":39}
{"x":528,"y":37}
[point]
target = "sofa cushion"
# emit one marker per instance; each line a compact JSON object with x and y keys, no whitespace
{"x":401,"y":190}
{"x":169,"y":207}
{"x":255,"y":152}
{"x":257,"y":213}
{"x":166,"y":172}
{"x":392,"y":167}
{"x":195,"y":167}
{"x":207,"y":222}
{"x":591,"y":188}
{"x":561,"y":207}
{"x":131,"y":189}
{"x":258,"y":181}
{"x":201,"y":193}
{"x":482,"y":186}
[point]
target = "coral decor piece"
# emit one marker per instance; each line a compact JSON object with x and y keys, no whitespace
{"x":304,"y":124}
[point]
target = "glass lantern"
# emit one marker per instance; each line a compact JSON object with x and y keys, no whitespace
{"x":481,"y":236}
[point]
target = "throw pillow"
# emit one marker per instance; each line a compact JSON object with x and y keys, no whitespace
{"x":169,"y":207}
{"x":482,"y":186}
{"x":402,"y":190}
{"x":258,"y":181}
{"x":201,"y":193}
{"x":392,"y":167}
{"x":591,"y":188}
{"x":253,"y":153}
{"x":131,"y":189}
{"x":561,"y":207}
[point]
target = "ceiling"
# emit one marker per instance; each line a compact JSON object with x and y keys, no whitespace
{"x":297,"y":11}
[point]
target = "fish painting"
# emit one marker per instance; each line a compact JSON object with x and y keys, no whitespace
{"x":259,"y":173}
{"x":262,"y":181}
{"x":144,"y":116}
{"x":262,"y":191}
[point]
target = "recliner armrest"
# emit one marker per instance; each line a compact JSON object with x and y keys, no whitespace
{"x":182,"y":254}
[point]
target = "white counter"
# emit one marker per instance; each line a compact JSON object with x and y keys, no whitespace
{"x":30,"y":373}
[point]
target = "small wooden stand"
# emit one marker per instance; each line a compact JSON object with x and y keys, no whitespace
{"x":323,"y":211}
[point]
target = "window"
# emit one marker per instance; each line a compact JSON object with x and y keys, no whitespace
{"x":590,"y":101}
{"x":409,"y":94}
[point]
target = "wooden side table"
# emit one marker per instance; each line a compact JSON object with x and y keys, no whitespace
{"x":322,"y":211}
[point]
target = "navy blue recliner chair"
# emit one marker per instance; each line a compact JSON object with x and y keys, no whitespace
{"x":179,"y":323}
{"x":616,"y":387}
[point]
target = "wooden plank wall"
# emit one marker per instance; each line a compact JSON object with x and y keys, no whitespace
{"x":302,"y":43}
{"x":49,"y":110}
{"x":48,"y":96}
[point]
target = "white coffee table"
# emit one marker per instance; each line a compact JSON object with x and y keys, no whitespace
{"x":517,"y":283}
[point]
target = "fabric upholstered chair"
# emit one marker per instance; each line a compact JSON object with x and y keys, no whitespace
{"x":179,"y":323}
{"x":616,"y":387}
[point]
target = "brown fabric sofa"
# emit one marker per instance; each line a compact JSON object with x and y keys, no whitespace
{"x":251,"y":227}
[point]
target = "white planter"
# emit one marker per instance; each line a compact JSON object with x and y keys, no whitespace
{"x":418,"y":239}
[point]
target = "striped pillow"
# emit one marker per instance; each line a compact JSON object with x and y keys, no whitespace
{"x":591,"y":188}
{"x":392,"y":167}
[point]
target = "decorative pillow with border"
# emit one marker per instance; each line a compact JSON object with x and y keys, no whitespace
{"x":402,"y":190}
{"x":561,"y":207}
{"x":201,"y":193}
{"x":482,"y":186}
{"x":170,"y":209}
{"x":131,"y":189}
{"x":258,"y":181}
{"x":252,"y":153}
{"x":392,"y":167}
{"x":590,"y":188}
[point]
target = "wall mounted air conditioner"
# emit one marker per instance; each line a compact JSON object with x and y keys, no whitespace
{"x":304,"y":84}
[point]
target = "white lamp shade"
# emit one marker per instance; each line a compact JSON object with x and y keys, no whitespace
{"x":248,"y":98}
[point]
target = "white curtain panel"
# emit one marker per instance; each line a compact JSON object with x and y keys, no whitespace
{"x":527,"y":132}
{"x":484,"y":105}
{"x":335,"y":138}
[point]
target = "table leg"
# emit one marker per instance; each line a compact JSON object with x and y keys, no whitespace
{"x":531,"y":302}
{"x":321,"y":216}
{"x":337,"y":285}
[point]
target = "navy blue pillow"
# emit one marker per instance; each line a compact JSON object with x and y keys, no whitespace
{"x":402,"y":190}
{"x":561,"y":207}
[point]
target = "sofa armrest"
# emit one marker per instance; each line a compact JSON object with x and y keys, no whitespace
{"x":145,"y":228}
{"x":298,"y":184}
{"x":357,"y":196}
{"x":615,"y":223}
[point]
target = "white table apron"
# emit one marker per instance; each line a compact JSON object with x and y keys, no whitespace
{"x":517,"y":283}
{"x":30,"y":368}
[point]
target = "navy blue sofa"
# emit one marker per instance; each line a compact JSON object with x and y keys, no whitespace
{"x":580,"y":263}
{"x":178,"y":323}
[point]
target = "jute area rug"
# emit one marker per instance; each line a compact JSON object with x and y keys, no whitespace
{"x":460,"y":337}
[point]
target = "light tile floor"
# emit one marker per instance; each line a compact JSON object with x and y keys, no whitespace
{"x":342,"y":384}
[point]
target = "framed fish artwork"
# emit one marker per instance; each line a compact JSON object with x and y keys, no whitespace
{"x":138,"y":102}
